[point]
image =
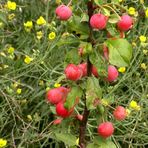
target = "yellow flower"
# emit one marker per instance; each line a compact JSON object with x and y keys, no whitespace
{"x":143,"y":66}
{"x":5,"y":66}
{"x":56,"y":85}
{"x":28,"y":24}
{"x":41,"y":82}
{"x":51,"y":35}
{"x":15,"y":85}
{"x":141,"y":1}
{"x":142,"y":38}
{"x":58,"y":2}
{"x":133,"y":104}
{"x":3,"y":143}
{"x":134,"y":44}
{"x":41,"y":21}
{"x":11,"y":16}
{"x":39,"y":35}
{"x":146,"y":12}
{"x":145,"y":52}
{"x":120,"y":1}
{"x":11,"y":5}
{"x":122,"y":69}
{"x":28,"y":60}
{"x":29,"y":117}
{"x":47,"y":88}
{"x":10,"y":50}
{"x":104,"y":102}
{"x":19,"y":91}
{"x":77,"y":141}
{"x":131,"y":11}
{"x":1,"y":24}
{"x":128,"y":112}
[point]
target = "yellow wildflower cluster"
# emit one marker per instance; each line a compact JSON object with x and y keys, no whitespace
{"x":11,"y":16}
{"x":143,"y":66}
{"x":56,"y":85}
{"x":41,"y":21}
{"x":3,"y":143}
{"x":28,"y":59}
{"x":51,"y":36}
{"x":28,"y":26}
{"x":122,"y":69}
{"x":104,"y":102}
{"x":10,"y":50}
{"x":39,"y":35}
{"x":146,"y":13}
{"x":133,"y":105}
{"x":10,"y":5}
{"x":131,"y":11}
{"x":142,"y":38}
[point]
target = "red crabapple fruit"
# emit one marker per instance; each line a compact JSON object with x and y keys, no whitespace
{"x":63,"y":12}
{"x":105,"y":129}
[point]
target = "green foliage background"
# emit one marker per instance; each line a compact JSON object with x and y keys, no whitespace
{"x":21,"y":131}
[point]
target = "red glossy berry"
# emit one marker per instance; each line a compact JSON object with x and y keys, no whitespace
{"x":106,"y":52}
{"x":94,"y":71}
{"x":73,"y":72}
{"x":83,"y":67}
{"x":54,"y":96}
{"x":98,"y":21}
{"x":105,"y":129}
{"x":125,"y":23}
{"x":63,"y":12}
{"x":112,"y":73}
{"x":57,"y":121}
{"x":119,"y":113}
{"x":64,"y":90}
{"x":62,"y":111}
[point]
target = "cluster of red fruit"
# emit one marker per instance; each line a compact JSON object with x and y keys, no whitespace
{"x":75,"y":72}
{"x":57,"y":96}
{"x":97,"y":21}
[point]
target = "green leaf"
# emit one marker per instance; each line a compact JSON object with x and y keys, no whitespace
{"x":67,"y":138}
{"x":3,"y":17}
{"x":85,"y":18}
{"x":73,"y":97}
{"x":114,"y":18}
{"x":99,"y":62}
{"x":120,"y":52}
{"x":106,"y":12}
{"x":79,"y":27}
{"x":72,"y":57}
{"x":101,"y":143}
{"x":93,"y":92}
{"x":98,"y":2}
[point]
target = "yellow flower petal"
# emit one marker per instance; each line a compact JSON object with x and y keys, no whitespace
{"x":11,"y":5}
{"x":10,"y":50}
{"x":19,"y":91}
{"x":143,"y":66}
{"x":133,"y":104}
{"x":3,"y":143}
{"x":51,"y":35}
{"x":146,"y":13}
{"x":56,"y":85}
{"x":131,"y":11}
{"x":28,"y":24}
{"x":142,"y":38}
{"x":39,"y":35}
{"x":28,"y":60}
{"x":122,"y":69}
{"x":41,"y":21}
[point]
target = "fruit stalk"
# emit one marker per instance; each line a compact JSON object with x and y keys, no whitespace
{"x":83,"y":123}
